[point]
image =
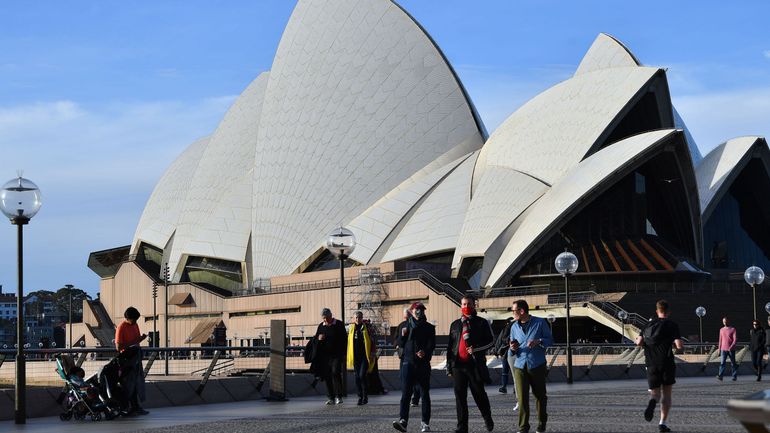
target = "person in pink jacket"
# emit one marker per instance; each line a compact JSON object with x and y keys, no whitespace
{"x":727,"y":341}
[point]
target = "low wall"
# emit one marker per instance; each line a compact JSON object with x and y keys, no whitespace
{"x":180,"y":390}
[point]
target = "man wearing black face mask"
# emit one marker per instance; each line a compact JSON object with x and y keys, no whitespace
{"x":418,"y":339}
{"x":469,"y":338}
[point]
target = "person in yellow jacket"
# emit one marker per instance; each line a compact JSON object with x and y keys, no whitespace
{"x":360,"y":354}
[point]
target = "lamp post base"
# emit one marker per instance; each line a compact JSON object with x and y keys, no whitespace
{"x":20,"y":412}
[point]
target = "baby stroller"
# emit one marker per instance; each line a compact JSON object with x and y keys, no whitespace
{"x":81,"y":397}
{"x":111,"y":386}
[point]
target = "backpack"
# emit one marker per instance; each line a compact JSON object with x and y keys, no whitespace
{"x":652,"y":332}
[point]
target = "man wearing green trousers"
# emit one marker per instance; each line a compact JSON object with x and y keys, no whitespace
{"x":530,"y":336}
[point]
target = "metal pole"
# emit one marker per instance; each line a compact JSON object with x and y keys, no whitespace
{"x":700,"y":325}
{"x":622,"y":330}
{"x":569,"y":342}
{"x":165,"y":318}
{"x":69,"y":292}
{"x":20,"y":413}
{"x":754,"y":290}
{"x":342,"y":286}
{"x":154,"y":315}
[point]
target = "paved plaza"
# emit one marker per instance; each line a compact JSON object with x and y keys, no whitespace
{"x":609,"y":406}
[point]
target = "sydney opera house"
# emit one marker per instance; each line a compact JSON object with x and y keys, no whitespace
{"x":362,"y":122}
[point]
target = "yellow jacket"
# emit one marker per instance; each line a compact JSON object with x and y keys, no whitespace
{"x":367,"y":347}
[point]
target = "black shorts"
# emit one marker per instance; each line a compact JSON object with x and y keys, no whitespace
{"x":658,"y":376}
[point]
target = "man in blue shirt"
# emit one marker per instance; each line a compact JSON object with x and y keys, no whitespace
{"x":529,"y":338}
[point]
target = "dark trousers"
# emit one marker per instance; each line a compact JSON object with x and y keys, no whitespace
{"x":467,"y":376}
{"x":334,"y":378}
{"x":534,"y":378}
{"x":415,"y":374}
{"x":359,"y":369}
{"x":506,"y":371}
{"x":756,"y":360}
{"x":416,"y":394}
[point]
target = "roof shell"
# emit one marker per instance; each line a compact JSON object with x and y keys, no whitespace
{"x":720,"y":166}
{"x":435,"y":225}
{"x":359,"y":100}
{"x":585,"y":180}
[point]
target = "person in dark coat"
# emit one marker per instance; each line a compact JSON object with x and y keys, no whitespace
{"x":331,"y":351}
{"x":400,"y":351}
{"x":418,"y":340}
{"x":757,"y":346}
{"x":470,"y":337}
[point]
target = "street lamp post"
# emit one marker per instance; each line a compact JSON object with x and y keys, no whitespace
{"x":69,"y":297}
{"x":19,"y":201}
{"x":302,"y":331}
{"x":754,"y":275}
{"x":566,"y":264}
{"x":700,"y":312}
{"x":622,"y":315}
{"x":165,"y":317}
{"x":341,"y":242}
{"x":155,"y":314}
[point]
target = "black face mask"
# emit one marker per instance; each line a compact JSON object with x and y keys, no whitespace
{"x":419,"y":314}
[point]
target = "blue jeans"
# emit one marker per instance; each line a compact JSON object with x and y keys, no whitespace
{"x":723,"y":364}
{"x":415,"y":374}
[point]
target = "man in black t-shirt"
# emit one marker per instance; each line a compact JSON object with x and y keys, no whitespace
{"x":656,"y":339}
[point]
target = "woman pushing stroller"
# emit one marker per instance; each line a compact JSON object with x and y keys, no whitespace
{"x":127,"y":339}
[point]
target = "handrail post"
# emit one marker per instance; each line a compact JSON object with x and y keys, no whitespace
{"x":206,"y":375}
{"x":593,"y":359}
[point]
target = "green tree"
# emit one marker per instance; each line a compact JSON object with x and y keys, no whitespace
{"x":61,"y":301}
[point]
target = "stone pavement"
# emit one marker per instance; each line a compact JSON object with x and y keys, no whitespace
{"x":607,"y":406}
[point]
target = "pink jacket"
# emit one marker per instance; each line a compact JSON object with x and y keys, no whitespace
{"x":727,"y":338}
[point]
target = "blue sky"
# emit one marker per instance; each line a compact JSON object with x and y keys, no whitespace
{"x":98,"y":97}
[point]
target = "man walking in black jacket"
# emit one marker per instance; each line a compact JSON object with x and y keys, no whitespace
{"x":332,"y":347}
{"x":418,"y":339}
{"x":470,"y":337}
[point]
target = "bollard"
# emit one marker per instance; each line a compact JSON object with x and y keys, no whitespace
{"x":277,"y":390}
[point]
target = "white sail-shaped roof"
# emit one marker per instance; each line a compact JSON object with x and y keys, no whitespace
{"x":435,"y":225}
{"x":216,"y":218}
{"x":721,"y":164}
{"x":587,"y":179}
{"x":359,"y":100}
{"x":379,"y":221}
{"x":161,"y":214}
{"x":606,"y":52}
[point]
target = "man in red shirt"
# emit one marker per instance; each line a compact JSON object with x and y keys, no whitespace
{"x":469,"y":338}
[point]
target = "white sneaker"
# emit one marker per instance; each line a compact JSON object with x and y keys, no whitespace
{"x":515,"y":408}
{"x":329,"y":402}
{"x":424,"y":427}
{"x":337,"y":400}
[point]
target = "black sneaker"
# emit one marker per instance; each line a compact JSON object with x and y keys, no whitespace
{"x":650,"y":411}
{"x":719,"y":378}
{"x":365,"y":401}
{"x":540,"y":429}
{"x":502,"y":390}
{"x":414,"y":403}
{"x":360,"y":401}
{"x":663,"y":428}
{"x":400,"y":425}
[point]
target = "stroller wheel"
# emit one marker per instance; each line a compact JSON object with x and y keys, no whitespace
{"x":96,"y":416}
{"x":79,"y":416}
{"x":65,"y":416}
